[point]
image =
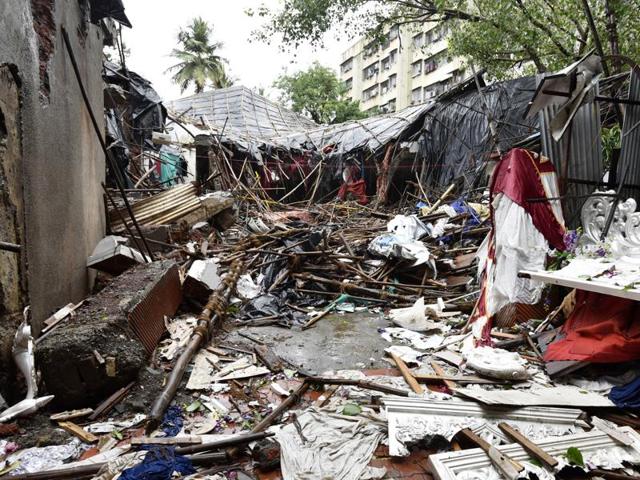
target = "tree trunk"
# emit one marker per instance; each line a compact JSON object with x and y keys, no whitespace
{"x":612,"y":34}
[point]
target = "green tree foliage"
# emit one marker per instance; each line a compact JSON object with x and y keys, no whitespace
{"x":506,"y":37}
{"x":318,"y":94}
{"x":199,"y":64}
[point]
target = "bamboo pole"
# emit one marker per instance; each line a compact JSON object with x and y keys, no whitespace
{"x":206,"y":322}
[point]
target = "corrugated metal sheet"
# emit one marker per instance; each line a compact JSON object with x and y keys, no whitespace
{"x":245,"y":116}
{"x":370,"y":133}
{"x":585,"y":155}
{"x":146,"y":318}
{"x":630,"y":148}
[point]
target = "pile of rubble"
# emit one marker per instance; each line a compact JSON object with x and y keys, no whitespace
{"x":246,"y":379}
{"x":462,"y":335}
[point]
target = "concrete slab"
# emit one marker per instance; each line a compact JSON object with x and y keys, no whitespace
{"x":337,"y":342}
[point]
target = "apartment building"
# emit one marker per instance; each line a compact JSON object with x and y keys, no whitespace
{"x":411,"y":67}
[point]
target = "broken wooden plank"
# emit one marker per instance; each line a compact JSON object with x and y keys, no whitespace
{"x":77,"y":430}
{"x":406,"y":373}
{"x":451,"y":385}
{"x":614,"y":433}
{"x":71,"y":414}
{"x":509,"y":467}
{"x":528,"y":445}
{"x":110,"y":402}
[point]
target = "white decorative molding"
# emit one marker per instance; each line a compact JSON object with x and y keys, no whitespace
{"x":593,"y":445}
{"x":412,"y":419}
{"x":624,"y":233}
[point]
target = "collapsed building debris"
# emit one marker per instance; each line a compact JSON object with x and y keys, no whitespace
{"x":361,"y":298}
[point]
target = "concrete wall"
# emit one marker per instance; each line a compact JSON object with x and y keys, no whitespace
{"x":61,"y":164}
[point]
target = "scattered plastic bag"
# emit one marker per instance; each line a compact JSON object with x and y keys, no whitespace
{"x":247,"y":289}
{"x":408,"y":227}
{"x":390,"y":245}
{"x":413,"y":317}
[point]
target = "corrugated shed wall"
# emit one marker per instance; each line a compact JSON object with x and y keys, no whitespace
{"x":630,"y":148}
{"x":585,"y":155}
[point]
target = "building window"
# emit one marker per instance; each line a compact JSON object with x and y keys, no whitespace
{"x":389,"y":107}
{"x":458,"y":75}
{"x":432,"y":63}
{"x":346,"y":66}
{"x":370,"y":49}
{"x":388,"y":84}
{"x":348,"y":83}
{"x":416,"y":68}
{"x":370,"y":93}
{"x":436,"y":89}
{"x":394,"y":32}
{"x":436,"y":34}
{"x":429,"y":93}
{"x":418,"y":40}
{"x":416,"y":96}
{"x":371,"y":71}
{"x":387,"y":62}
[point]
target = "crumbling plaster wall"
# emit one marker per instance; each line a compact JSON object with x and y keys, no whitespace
{"x":62,"y":164}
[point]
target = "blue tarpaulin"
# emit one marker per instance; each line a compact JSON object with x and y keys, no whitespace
{"x":161,"y":462}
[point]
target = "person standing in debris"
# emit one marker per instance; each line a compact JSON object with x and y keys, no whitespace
{"x":353,"y":182}
{"x":182,"y":169}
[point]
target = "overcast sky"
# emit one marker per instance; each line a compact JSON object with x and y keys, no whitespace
{"x":156,"y":24}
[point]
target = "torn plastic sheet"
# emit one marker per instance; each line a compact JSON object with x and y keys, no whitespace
{"x":247,"y":289}
{"x":147,"y":111}
{"x":40,"y":459}
{"x":457,"y":127}
{"x":263,"y":306}
{"x":108,"y":427}
{"x":401,"y":241}
{"x":408,"y":227}
{"x":413,"y":318}
{"x":419,"y":341}
{"x":390,"y":245}
{"x":336,"y":447}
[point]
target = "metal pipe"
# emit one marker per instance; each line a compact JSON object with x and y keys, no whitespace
{"x":106,"y":151}
{"x":10,"y":247}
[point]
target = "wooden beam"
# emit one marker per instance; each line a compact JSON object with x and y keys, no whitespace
{"x":406,"y":373}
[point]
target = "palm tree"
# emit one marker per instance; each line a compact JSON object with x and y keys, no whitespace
{"x":198,"y":61}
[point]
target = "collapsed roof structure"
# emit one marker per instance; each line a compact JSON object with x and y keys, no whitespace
{"x":435,"y":142}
